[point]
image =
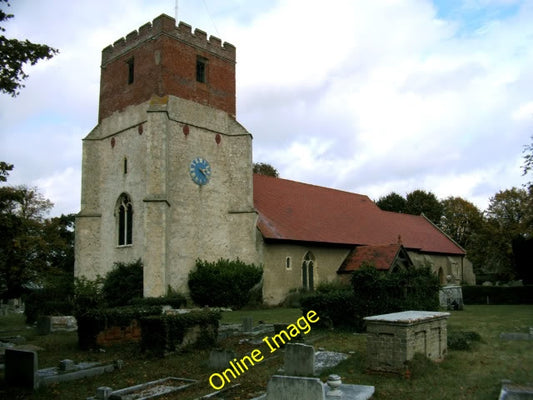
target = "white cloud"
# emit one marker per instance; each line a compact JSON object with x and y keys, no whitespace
{"x":368,"y":96}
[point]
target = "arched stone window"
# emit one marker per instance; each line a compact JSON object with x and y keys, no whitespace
{"x":124,"y":220}
{"x":308,"y":271}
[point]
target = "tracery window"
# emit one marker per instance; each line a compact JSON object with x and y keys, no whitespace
{"x":308,"y":271}
{"x":125,"y":220}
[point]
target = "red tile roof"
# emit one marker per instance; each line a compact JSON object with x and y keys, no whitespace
{"x":295,"y":211}
{"x":382,"y":257}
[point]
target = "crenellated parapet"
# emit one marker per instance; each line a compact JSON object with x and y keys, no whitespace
{"x":166,"y":25}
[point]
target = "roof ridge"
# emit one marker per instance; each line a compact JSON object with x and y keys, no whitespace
{"x":316,"y":186}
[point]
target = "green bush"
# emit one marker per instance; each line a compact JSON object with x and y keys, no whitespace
{"x":87,"y":295}
{"x":223,"y":283}
{"x":374,"y":292}
{"x":380,"y":292}
{"x":123,"y":283}
{"x":165,"y":333}
{"x":54,"y":299}
{"x":334,"y":307}
{"x":498,"y":294}
{"x":462,"y":340}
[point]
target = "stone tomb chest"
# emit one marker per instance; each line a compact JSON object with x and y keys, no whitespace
{"x":393,"y":339}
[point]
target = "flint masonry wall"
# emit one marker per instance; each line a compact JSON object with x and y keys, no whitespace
{"x":159,"y":123}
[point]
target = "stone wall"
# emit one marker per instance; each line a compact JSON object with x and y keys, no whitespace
{"x":175,"y":221}
{"x":278,"y":279}
{"x":458,"y":269}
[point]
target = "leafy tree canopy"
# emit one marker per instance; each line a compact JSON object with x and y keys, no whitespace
{"x":4,"y":170}
{"x":420,"y":201}
{"x":14,"y":54}
{"x":33,"y":249}
{"x":265,"y":169}
{"x":460,"y":219}
{"x":392,"y":202}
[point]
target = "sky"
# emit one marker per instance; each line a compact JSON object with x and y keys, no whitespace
{"x":370,"y":97}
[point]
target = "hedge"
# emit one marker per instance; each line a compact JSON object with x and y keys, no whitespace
{"x":95,"y":321}
{"x":165,"y":333}
{"x":498,"y":294}
{"x":175,"y":301}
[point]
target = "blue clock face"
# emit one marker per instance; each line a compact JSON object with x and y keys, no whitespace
{"x":200,"y":171}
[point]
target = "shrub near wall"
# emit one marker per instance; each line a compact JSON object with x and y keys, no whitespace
{"x":375,"y":292}
{"x":335,"y":308}
{"x":168,"y":333}
{"x":498,"y":294}
{"x":225,"y":283}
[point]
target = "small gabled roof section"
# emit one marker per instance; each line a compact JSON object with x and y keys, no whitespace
{"x":383,"y":258}
{"x":299,"y":212}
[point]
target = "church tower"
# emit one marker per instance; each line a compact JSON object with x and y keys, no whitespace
{"x":167,"y":172}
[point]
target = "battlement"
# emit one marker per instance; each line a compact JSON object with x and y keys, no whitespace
{"x":166,"y":25}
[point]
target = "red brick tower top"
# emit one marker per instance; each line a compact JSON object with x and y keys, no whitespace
{"x":164,"y":59}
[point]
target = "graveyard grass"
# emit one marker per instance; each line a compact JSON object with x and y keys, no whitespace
{"x":473,"y":374}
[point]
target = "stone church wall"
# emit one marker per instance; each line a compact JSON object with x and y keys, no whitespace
{"x":278,"y":279}
{"x":176,"y":221}
{"x":459,"y":269}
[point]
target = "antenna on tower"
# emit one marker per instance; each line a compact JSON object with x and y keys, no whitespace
{"x":176,"y":10}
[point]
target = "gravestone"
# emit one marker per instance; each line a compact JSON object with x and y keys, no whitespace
{"x":294,"y":388}
{"x":247,"y":324}
{"x":299,"y":359}
{"x":219,"y":359}
{"x":21,"y":368}
{"x":451,"y":297}
{"x":44,"y":325}
{"x":512,"y":391}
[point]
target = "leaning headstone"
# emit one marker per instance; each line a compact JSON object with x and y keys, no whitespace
{"x":21,"y":368}
{"x":299,"y":359}
{"x":219,"y":359}
{"x":247,"y":324}
{"x":292,"y":387}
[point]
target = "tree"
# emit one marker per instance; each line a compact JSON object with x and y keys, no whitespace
{"x":392,"y":202}
{"x":14,"y":54}
{"x":265,"y":169}
{"x":508,"y":221}
{"x":420,"y":201}
{"x":24,"y":250}
{"x":4,"y":170}
{"x":528,"y":159}
{"x":460,"y":220}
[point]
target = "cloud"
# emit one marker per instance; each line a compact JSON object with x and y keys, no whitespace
{"x":370,"y":97}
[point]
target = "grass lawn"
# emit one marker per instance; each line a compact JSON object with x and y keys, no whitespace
{"x":474,"y":374}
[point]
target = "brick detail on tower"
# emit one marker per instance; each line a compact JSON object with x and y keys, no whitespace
{"x":161,"y":59}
